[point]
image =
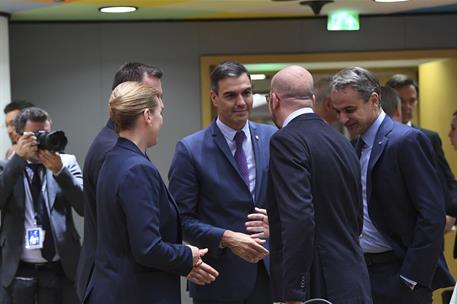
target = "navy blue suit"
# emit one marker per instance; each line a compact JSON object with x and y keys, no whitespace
{"x":139,"y":255}
{"x":315,"y":214}
{"x":445,"y":175}
{"x":406,"y":205}
{"x":104,"y":142}
{"x":212,"y":197}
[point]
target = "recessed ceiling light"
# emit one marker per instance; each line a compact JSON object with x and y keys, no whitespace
{"x":117,"y":9}
{"x":389,"y":1}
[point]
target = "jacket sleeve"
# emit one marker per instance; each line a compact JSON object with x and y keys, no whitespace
{"x":140,"y":194}
{"x":291,"y":216}
{"x":185,"y":188}
{"x":10,"y":172}
{"x":70,"y":180}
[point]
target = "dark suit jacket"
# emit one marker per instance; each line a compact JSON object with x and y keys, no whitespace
{"x":64,"y":194}
{"x":406,"y":204}
{"x":104,"y":142}
{"x":448,"y":182}
{"x":316,"y":215}
{"x":212,"y":197}
{"x":139,"y":254}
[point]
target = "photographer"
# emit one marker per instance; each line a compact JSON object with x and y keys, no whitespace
{"x":39,"y":188}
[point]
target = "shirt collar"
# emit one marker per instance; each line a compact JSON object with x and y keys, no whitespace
{"x":295,"y":114}
{"x":409,"y":123}
{"x":229,"y":133}
{"x":370,"y":134}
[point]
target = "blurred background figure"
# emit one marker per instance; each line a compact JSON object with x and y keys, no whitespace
{"x":139,"y":255}
{"x":11,"y":110}
{"x":453,"y":132}
{"x":408,"y":90}
{"x":391,"y":103}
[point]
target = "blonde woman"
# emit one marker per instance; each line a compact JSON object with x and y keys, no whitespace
{"x":139,"y":255}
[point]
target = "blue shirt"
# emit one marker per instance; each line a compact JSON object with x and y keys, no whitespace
{"x":371,"y":240}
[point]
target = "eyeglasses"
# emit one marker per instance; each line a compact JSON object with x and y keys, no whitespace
{"x":267,"y":97}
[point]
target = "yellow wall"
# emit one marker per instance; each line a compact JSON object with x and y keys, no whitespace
{"x":437,"y":102}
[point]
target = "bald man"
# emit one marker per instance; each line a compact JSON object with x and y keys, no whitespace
{"x":314,"y":201}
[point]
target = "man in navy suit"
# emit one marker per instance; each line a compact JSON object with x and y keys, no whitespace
{"x":105,"y":140}
{"x":314,"y":201}
{"x":408,"y":91}
{"x":218,"y":178}
{"x":404,"y":213}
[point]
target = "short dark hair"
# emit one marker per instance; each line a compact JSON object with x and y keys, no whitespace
{"x":360,"y":79}
{"x":401,"y":80}
{"x":34,"y":114}
{"x":227,"y":69}
{"x":134,"y":71}
{"x":17,"y":105}
{"x":389,"y":100}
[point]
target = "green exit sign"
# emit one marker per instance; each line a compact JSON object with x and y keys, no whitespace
{"x":343,"y":21}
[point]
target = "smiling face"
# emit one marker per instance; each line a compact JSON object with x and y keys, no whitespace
{"x":354,"y":112}
{"x":233,"y":101}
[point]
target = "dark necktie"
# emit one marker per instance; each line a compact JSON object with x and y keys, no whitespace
{"x":360,"y":145}
{"x":41,"y":214}
{"x":240,"y":157}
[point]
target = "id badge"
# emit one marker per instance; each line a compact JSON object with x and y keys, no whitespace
{"x":34,"y":238}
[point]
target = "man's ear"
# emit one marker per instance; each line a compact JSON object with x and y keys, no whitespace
{"x":374,"y":98}
{"x":213,"y":98}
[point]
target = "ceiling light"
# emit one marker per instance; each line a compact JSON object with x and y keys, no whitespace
{"x":389,"y":1}
{"x":258,"y":76}
{"x":117,"y":9}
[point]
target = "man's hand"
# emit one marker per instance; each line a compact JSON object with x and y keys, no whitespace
{"x":201,"y":273}
{"x":258,"y":224}
{"x":244,"y":246}
{"x":51,"y":160}
{"x":450,"y":222}
{"x":26,"y":146}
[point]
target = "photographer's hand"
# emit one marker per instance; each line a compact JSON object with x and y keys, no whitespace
{"x":51,"y":160}
{"x":26,"y":146}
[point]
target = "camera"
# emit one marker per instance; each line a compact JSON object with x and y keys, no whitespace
{"x":54,"y":141}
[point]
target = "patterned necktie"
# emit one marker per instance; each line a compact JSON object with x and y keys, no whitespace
{"x":41,"y":213}
{"x":240,"y":157}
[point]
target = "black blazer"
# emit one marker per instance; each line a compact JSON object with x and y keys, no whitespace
{"x":64,"y":194}
{"x":104,"y":142}
{"x":315,"y":214}
{"x":139,"y":255}
{"x":447,"y":179}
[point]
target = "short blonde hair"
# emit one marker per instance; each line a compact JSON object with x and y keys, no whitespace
{"x":128,"y":100}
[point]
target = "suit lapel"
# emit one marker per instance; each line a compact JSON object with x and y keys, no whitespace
{"x":19,"y":191}
{"x":259,"y":159}
{"x":51,"y":189}
{"x":379,"y":144}
{"x":221,"y":143}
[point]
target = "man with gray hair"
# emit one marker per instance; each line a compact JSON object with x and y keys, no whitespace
{"x":403,"y":206}
{"x":314,"y":232}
